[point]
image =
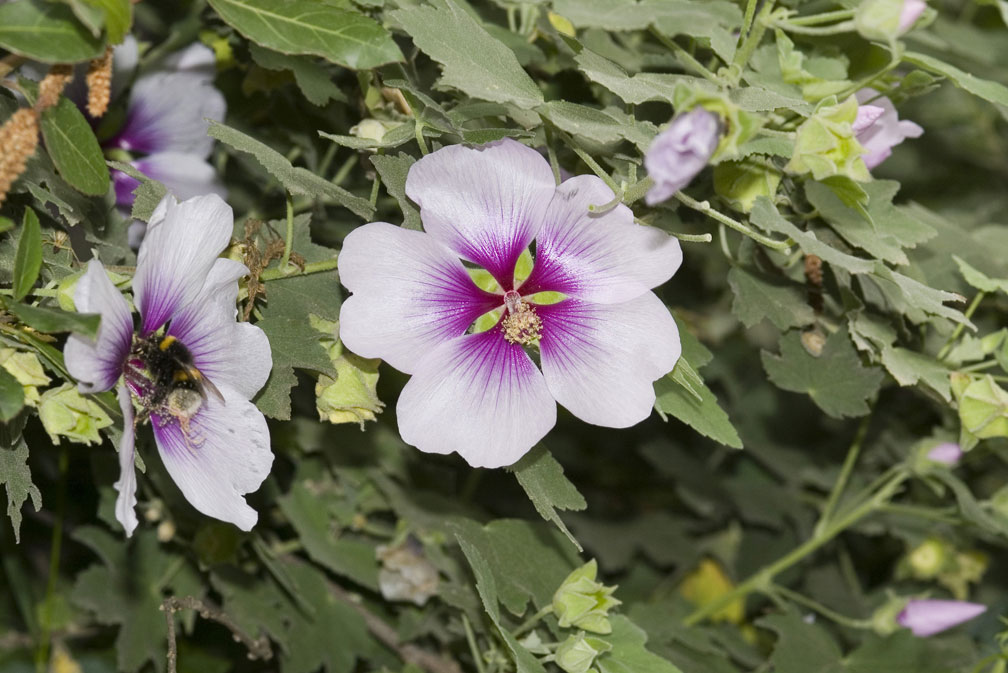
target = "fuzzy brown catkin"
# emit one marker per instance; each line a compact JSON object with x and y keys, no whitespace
{"x":18,"y":140}
{"x":52,"y":86}
{"x":99,"y":84}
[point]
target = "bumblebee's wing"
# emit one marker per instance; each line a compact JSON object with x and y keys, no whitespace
{"x":203,"y":384}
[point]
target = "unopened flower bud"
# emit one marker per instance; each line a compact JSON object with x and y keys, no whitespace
{"x":680,"y":152}
{"x":885,"y":20}
{"x":926,"y":617}
{"x":582,"y":602}
{"x":928,"y":558}
{"x":946,"y":453}
{"x":578,"y":652}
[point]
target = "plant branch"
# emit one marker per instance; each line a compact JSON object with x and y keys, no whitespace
{"x":705,"y":208}
{"x":258,"y":648}
{"x":841,"y":483}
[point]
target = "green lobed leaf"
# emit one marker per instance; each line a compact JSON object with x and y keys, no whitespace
{"x":598,"y":126}
{"x":758,"y":297}
{"x":315,"y":82}
{"x":473,"y":60}
{"x":683,"y":394}
{"x":393,"y":171}
{"x":909,"y":368}
{"x":146,"y":196}
{"x":343,"y":36}
{"x":544,"y":482}
{"x":296,"y":180}
{"x":74,"y":149}
{"x":835,"y":380}
{"x":47,"y":32}
{"x":310,"y":517}
{"x":629,"y":654}
{"x":28,"y":258}
{"x":802,"y":647}
{"x":978,"y":279}
{"x":486,"y":585}
{"x":635,"y":89}
{"x":54,"y":320}
{"x":126,"y":589}
{"x":16,"y":478}
{"x":994,"y":92}
{"x":115,"y":16}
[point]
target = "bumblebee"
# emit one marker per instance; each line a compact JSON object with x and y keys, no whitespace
{"x":178,"y":387}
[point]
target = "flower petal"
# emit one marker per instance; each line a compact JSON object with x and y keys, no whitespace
{"x":226,"y":352}
{"x":681,"y":151}
{"x":479,"y":396}
{"x":485,"y":203}
{"x":182,"y":242}
{"x":225,"y":454}
{"x":125,"y":507}
{"x":926,"y":617}
{"x":410,"y":294}
{"x":197,"y":59}
{"x":167,"y":113}
{"x":602,"y":257}
{"x":600,"y":360}
{"x":98,"y":364}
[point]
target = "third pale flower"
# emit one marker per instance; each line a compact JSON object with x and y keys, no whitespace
{"x":480,"y":393}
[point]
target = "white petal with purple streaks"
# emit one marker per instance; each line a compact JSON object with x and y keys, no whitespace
{"x":479,"y":396}
{"x":410,"y":293}
{"x":167,"y":113}
{"x":98,"y":364}
{"x":226,"y":352}
{"x":125,"y":507}
{"x":602,"y":257}
{"x":485,"y":203}
{"x":182,"y":243}
{"x":225,"y":455}
{"x":600,"y":360}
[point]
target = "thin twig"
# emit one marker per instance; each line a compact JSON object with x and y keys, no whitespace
{"x":258,"y":648}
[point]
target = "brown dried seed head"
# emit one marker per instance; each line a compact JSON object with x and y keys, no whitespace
{"x":18,"y":140}
{"x":52,"y":86}
{"x":813,"y":270}
{"x":99,"y":84}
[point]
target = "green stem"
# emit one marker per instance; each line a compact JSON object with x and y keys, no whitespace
{"x":637,"y":190}
{"x":42,"y":653}
{"x":753,"y":32}
{"x":837,"y":28}
{"x":418,"y":127}
{"x":957,"y":332}
{"x":762,"y":579}
{"x":594,"y":166}
{"x":289,"y":238}
{"x":822,"y":609}
{"x":344,"y":169}
{"x":686,"y":57}
{"x":275,"y":273}
{"x":929,"y":513}
{"x":841,"y":483}
{"x":705,"y":208}
{"x":374,"y":190}
{"x":693,"y":238}
{"x":825,"y":17}
{"x":37,"y":292}
{"x":606,"y":207}
{"x":979,"y":366}
{"x":532,"y":621}
{"x":473,"y":647}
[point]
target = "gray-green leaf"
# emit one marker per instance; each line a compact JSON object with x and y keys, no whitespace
{"x":474,"y":61}
{"x":28,"y":258}
{"x":74,"y":149}
{"x":16,"y":477}
{"x":46,"y":31}
{"x":310,"y":27}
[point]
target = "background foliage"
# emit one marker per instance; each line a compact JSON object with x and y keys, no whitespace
{"x":765,"y":518}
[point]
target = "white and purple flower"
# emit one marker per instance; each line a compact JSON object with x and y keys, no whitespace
{"x":878,"y":127}
{"x":190,"y":367}
{"x":680,"y":152}
{"x":480,"y":394}
{"x":926,"y":617}
{"x":165,"y":130}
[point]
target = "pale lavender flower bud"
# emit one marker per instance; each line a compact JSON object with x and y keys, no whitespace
{"x":680,"y":152}
{"x":926,"y":617}
{"x":880,"y":135}
{"x":947,"y":453}
{"x":912,"y":10}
